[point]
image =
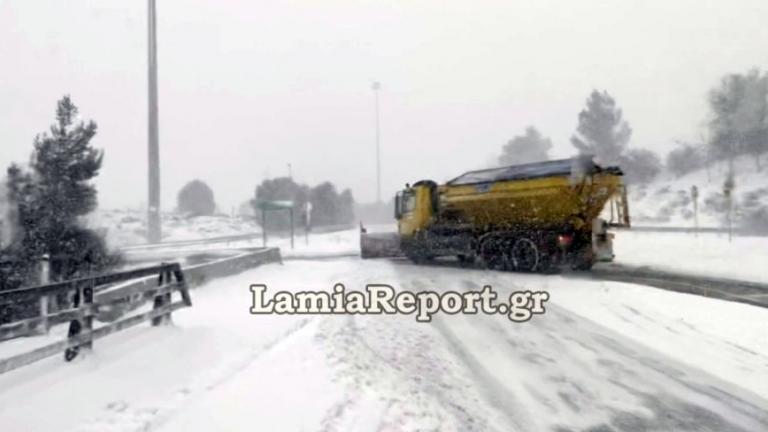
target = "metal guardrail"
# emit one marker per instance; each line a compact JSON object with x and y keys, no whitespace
{"x":211,"y":240}
{"x":227,"y":239}
{"x":89,"y":296}
{"x":201,"y":273}
{"x":109,"y":297}
{"x":752,"y":293}
{"x":673,"y":229}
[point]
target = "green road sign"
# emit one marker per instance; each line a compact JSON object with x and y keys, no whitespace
{"x":274,"y":205}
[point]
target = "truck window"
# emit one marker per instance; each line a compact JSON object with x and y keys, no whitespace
{"x":409,"y":201}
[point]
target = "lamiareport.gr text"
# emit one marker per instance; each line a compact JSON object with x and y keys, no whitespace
{"x":519,"y":306}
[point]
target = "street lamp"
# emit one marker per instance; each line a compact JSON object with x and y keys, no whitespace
{"x":376,"y":86}
{"x":154,"y":230}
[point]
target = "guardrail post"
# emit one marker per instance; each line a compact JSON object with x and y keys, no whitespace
{"x":44,"y":324}
{"x":45,"y":278}
{"x":163,"y":300}
{"x":183,"y":289}
{"x":167,"y":297}
{"x":74,"y":326}
{"x":88,"y":318}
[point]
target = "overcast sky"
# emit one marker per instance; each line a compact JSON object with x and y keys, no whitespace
{"x":247,"y":87}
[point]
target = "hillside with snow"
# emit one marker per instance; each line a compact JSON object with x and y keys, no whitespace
{"x":667,"y":201}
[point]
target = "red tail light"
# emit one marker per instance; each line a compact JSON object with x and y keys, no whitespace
{"x":564,"y":239}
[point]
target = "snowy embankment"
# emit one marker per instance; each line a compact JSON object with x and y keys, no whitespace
{"x":667,"y":201}
{"x":741,"y":258}
{"x":605,"y":355}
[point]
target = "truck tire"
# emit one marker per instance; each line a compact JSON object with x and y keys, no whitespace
{"x":525,"y":255}
{"x":491,"y":251}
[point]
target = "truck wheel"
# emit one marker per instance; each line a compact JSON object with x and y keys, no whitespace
{"x":490,"y":251}
{"x":525,"y":255}
{"x":507,"y":262}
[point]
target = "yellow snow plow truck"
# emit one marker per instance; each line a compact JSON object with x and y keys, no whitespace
{"x":530,"y":217}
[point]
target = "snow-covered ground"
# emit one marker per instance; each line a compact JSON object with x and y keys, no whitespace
{"x":128,"y":227}
{"x":605,"y":356}
{"x":706,"y":254}
{"x":667,"y":200}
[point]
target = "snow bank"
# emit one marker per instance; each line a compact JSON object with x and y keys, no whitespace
{"x":743,"y":258}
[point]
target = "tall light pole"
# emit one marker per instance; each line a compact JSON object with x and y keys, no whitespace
{"x":376,"y":86}
{"x":154,"y":232}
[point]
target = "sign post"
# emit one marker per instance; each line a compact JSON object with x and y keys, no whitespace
{"x":272,"y":205}
{"x":695,"y":196}
{"x":263,"y":228}
{"x":307,"y":223}
{"x":290,"y":210}
{"x":728,"y":192}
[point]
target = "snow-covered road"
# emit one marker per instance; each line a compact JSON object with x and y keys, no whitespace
{"x":605,"y":356}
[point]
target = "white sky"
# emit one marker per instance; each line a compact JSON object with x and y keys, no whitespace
{"x":249,"y":86}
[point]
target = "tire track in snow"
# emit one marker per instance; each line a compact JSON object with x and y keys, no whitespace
{"x":690,"y":406}
{"x":498,"y":396}
{"x":417,"y":390}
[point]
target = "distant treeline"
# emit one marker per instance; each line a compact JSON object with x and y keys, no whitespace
{"x":737,"y":124}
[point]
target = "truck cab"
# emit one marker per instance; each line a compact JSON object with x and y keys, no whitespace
{"x":415,"y":208}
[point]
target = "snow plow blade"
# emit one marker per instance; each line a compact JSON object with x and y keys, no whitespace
{"x":379,"y":245}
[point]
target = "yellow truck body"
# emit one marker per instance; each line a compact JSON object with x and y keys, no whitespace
{"x":525,"y":217}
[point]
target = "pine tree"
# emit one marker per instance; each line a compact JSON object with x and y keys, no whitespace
{"x":640,"y":165}
{"x":684,"y":159}
{"x":50,"y":198}
{"x":347,"y":205}
{"x":739,"y":116}
{"x":196,"y":199}
{"x":325,"y":204}
{"x":602,"y":130}
{"x":279,"y":189}
{"x":531,"y":147}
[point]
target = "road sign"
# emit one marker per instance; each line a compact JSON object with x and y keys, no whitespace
{"x":274,"y":205}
